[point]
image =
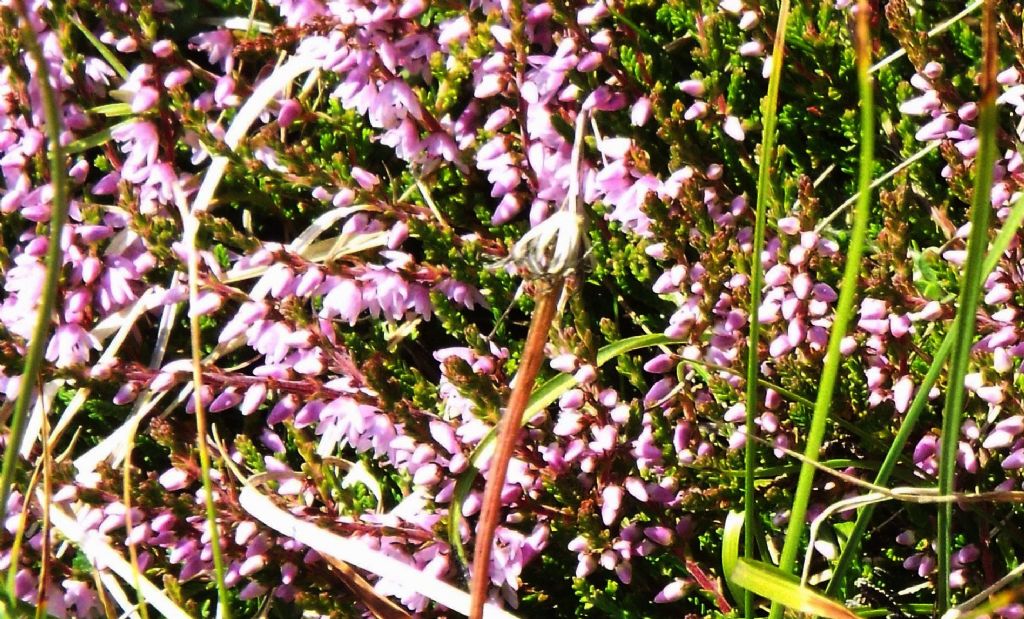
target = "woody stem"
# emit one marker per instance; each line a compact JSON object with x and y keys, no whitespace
{"x":533,"y":355}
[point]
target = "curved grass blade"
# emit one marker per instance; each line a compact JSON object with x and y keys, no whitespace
{"x":732,"y":533}
{"x":844,"y":309}
{"x":1007,"y":233}
{"x":111,"y":58}
{"x":784,"y":590}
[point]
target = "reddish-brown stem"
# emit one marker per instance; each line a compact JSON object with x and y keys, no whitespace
{"x":508,"y":432}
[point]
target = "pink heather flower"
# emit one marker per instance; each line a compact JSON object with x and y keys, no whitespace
{"x":344,"y":300}
{"x":571,"y":399}
{"x":698,"y":110}
{"x":366,"y":180}
{"x":175,"y":479}
{"x":1004,"y":433}
{"x":289,"y":111}
{"x":454,"y":31}
{"x":733,"y":128}
{"x":163,"y":48}
{"x":126,"y":45}
{"x":98,"y":72}
{"x":902,"y":392}
{"x":935,"y":129}
{"x":206,"y":303}
{"x":659,"y":535}
{"x":692,"y":87}
{"x":922,"y":105}
{"x":70,"y":345}
{"x":672,"y":592}
{"x":177,"y":78}
{"x":227,"y":399}
{"x":218,"y":45}
{"x":1014,"y":461}
{"x":590,"y":15}
{"x":641,"y":112}
{"x":586,"y":375}
{"x":752,"y":49}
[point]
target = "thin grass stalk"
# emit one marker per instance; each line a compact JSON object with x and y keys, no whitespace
{"x":1002,"y":241}
{"x":44,"y":549}
{"x":190,"y":225}
{"x":509,"y":428}
{"x":19,"y":536}
{"x":847,"y":294}
{"x":970,"y":293}
{"x":54,"y":258}
{"x":129,"y":524}
{"x":850,"y":551}
{"x":771,"y":107}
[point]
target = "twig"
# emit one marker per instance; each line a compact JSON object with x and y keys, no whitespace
{"x":533,"y":355}
{"x":939,"y":29}
{"x":547,"y":253}
{"x":909,"y":161}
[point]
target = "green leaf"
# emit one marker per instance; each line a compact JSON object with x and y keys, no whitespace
{"x":731,"y":537}
{"x":784,"y":589}
{"x":112,"y":109}
{"x":97,"y":139}
{"x":104,"y":51}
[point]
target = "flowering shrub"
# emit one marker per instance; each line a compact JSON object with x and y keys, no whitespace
{"x":359,"y":172}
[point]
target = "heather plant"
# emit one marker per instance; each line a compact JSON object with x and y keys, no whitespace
{"x":738,"y":281}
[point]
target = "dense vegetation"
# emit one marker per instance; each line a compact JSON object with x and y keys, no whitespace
{"x":330,"y":217}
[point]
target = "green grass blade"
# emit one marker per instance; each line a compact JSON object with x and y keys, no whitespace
{"x":54,"y":259}
{"x":844,"y":308}
{"x":771,"y":108}
{"x":104,"y":51}
{"x":191,"y":227}
{"x":970,"y":294}
{"x":732,"y":535}
{"x":99,"y":138}
{"x":850,"y":550}
{"x":113,"y":109}
{"x":999,"y":246}
{"x":785,"y":590}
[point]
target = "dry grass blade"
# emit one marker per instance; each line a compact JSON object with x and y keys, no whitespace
{"x":99,"y":552}
{"x":247,"y":115}
{"x":378,"y":605}
{"x":35,"y":422}
{"x":261,"y":507}
{"x":127,"y":322}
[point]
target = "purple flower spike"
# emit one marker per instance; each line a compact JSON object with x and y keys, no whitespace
{"x":662,"y":536}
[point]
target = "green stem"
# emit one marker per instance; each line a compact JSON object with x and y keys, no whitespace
{"x":891,"y":457}
{"x":844,"y":309}
{"x":54,"y":258}
{"x":191,"y":227}
{"x":1007,"y":233}
{"x":771,"y":107}
{"x":970,"y":293}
